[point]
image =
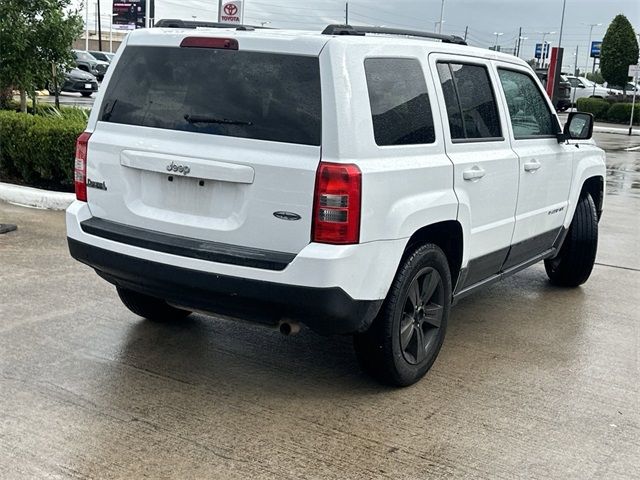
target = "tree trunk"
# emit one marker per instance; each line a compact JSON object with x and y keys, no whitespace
{"x":6,"y":94}
{"x":23,"y":100}
{"x":56,"y":93}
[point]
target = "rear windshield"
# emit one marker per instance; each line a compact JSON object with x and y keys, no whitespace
{"x":256,"y":95}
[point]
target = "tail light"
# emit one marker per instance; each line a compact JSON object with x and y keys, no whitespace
{"x":336,"y":204}
{"x":80,"y":170}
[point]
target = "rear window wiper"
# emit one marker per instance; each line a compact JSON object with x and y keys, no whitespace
{"x":106,"y":115}
{"x":225,"y":121}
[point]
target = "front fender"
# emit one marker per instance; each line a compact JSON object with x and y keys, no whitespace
{"x":589,"y":162}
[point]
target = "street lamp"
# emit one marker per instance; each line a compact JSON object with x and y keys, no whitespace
{"x":497,"y":34}
{"x":264,"y":23}
{"x":522,"y":39}
{"x":441,"y":17}
{"x":586,"y":64}
{"x":542,"y":52}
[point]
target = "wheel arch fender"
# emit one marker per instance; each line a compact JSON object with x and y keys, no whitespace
{"x":449,"y":236}
{"x":589,"y":176}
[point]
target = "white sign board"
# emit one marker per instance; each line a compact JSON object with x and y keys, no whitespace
{"x":231,"y":12}
{"x":634,"y":71}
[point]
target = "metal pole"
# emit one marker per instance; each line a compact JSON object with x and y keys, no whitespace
{"x":86,"y":22}
{"x":219,"y":10}
{"x":518,"y":43}
{"x":564,"y":6}
{"x":441,"y":17}
{"x":586,"y":66}
{"x":633,"y":103}
{"x":466,"y":31}
{"x":575,"y":67}
{"x":147,"y":13}
{"x":542,"y":51}
{"x":111,"y":30}
{"x":346,"y":13}
{"x":99,"y":28}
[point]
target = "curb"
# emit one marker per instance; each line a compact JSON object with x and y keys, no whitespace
{"x":34,"y":197}
{"x":620,"y":131}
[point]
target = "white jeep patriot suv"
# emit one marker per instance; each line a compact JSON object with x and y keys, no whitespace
{"x":357,"y":180}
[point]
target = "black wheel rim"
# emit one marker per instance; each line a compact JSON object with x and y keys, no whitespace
{"x":421,"y":315}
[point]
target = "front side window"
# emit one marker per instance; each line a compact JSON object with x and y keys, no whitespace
{"x":529,"y":112}
{"x":399,"y":101}
{"x":471,"y":103}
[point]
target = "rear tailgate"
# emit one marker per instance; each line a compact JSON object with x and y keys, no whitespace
{"x":209,"y":143}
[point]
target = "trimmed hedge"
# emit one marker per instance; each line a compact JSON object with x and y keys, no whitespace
{"x":597,"y":106}
{"x":621,"y":112}
{"x":612,"y":111}
{"x":40,"y":149}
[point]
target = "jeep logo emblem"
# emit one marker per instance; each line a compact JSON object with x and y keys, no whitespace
{"x":174,"y":167}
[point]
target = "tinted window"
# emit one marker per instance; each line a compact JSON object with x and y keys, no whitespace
{"x":529,"y":112}
{"x":399,"y":101}
{"x":471,"y":103}
{"x":221,"y":92}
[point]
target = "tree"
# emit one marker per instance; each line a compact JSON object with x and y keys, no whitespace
{"x":619,"y":50}
{"x":35,"y":39}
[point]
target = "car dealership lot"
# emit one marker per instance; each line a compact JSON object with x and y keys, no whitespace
{"x":532,"y":382}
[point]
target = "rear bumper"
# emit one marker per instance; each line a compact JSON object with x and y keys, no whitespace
{"x":325,"y":310}
{"x":330,"y":288}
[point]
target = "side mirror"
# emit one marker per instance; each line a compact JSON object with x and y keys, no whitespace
{"x":579,"y":126}
{"x":580,"y":85}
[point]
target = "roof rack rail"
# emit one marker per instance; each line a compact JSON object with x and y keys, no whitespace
{"x":360,"y":30}
{"x":178,"y":23}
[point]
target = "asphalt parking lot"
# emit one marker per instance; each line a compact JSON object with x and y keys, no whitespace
{"x":533,"y":381}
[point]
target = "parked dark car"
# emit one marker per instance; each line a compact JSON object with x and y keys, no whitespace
{"x":87,"y":62}
{"x":78,"y":81}
{"x":102,"y":56}
{"x":563,"y":95}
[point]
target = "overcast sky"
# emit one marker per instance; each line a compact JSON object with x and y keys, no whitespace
{"x":483,"y":17}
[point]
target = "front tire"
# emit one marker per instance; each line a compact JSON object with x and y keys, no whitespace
{"x":150,"y":308}
{"x":405,"y":338}
{"x":574,"y":263}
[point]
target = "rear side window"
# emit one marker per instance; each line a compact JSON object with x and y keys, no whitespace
{"x":234,"y":93}
{"x":399,"y":101}
{"x":471,"y":102}
{"x":529,"y":112}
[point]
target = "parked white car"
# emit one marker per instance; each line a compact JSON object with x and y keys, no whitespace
{"x":583,"y":88}
{"x":359,"y":181}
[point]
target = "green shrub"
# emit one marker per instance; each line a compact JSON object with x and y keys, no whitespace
{"x":597,"y":106}
{"x":39,"y":149}
{"x":621,"y":113}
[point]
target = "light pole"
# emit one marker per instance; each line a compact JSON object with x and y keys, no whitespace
{"x":437,"y":28}
{"x":441,"y":17}
{"x":522,"y":39}
{"x":497,"y":34}
{"x":544,"y":34}
{"x":86,"y":26}
{"x":586,"y":64}
{"x":264,"y":23}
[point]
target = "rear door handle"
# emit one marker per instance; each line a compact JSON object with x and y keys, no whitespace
{"x":474,"y":173}
{"x":532,"y":166}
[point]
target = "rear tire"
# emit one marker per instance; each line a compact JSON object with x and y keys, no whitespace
{"x":574,"y":263}
{"x":150,"y":308}
{"x":405,"y":338}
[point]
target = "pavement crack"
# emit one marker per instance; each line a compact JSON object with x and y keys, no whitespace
{"x":618,"y":266}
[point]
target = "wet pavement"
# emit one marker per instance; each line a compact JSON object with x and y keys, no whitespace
{"x":533,"y":381}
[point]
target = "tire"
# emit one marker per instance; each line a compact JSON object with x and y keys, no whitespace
{"x":574,"y":263}
{"x":396,"y":358}
{"x":86,"y":94}
{"x":150,"y":308}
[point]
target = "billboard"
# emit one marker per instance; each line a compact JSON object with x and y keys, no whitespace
{"x":130,"y":14}
{"x":595,"y":49}
{"x":539,"y":50}
{"x":231,"y":12}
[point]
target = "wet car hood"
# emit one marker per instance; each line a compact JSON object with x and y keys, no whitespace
{"x":77,"y":74}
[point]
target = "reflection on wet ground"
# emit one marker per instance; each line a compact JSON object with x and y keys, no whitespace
{"x":623,"y":163}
